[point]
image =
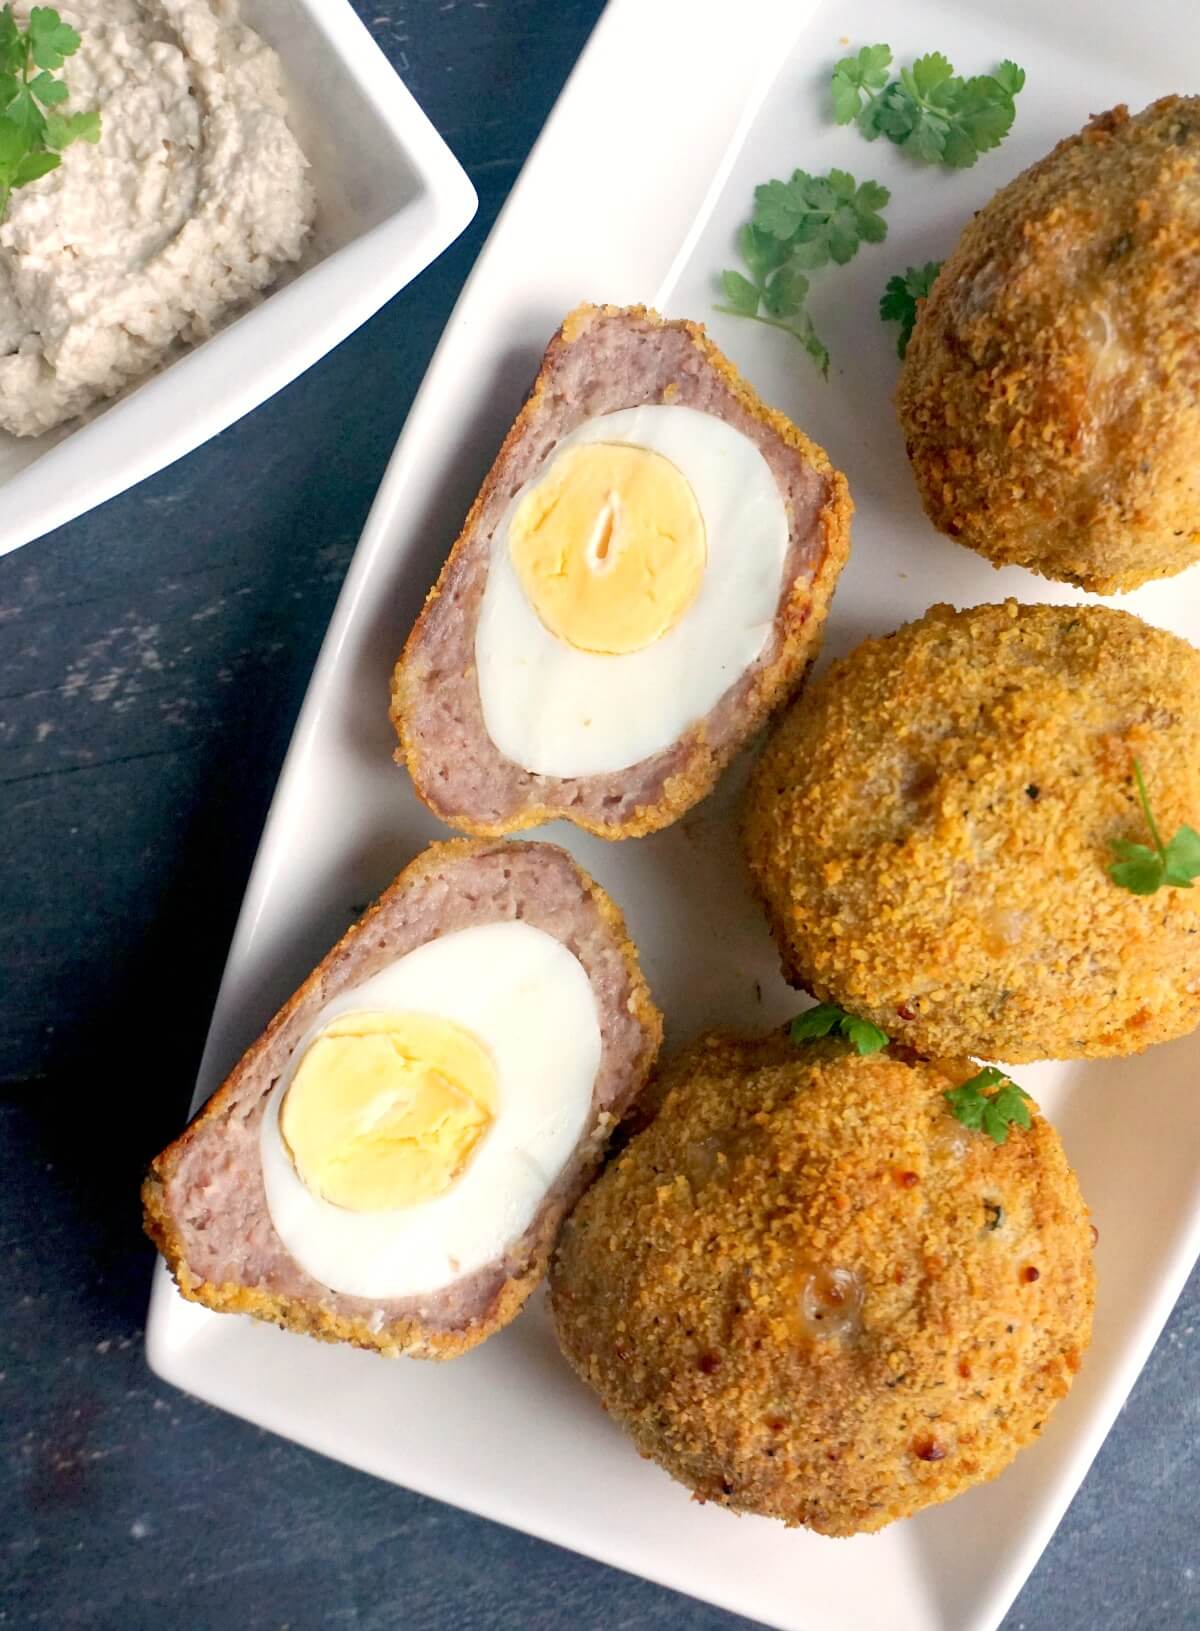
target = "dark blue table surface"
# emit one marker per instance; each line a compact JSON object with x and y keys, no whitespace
{"x":152,"y":660}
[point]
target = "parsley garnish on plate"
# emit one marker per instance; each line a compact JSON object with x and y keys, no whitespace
{"x":990,"y":1112}
{"x":34,"y":128}
{"x":903,"y":296}
{"x":821,"y":218}
{"x":798,"y":227}
{"x":779,"y":290}
{"x":827,"y":1018}
{"x":1142,"y":869}
{"x":929,"y":110}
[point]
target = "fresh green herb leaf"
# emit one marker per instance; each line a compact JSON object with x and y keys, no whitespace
{"x":741,"y":294}
{"x":810,"y":256}
{"x":927,"y":109}
{"x":867,"y":1038}
{"x":762,"y":253}
{"x":982,"y":118}
{"x":926,"y":74}
{"x":818,"y":1021}
{"x":34,"y":165}
{"x":846,"y":98}
{"x":64,"y":128}
{"x":990,"y":1102}
{"x":1138,"y":868}
{"x":1144,"y":870}
{"x":902,"y":298}
{"x":780,"y":209}
{"x":32,"y":132}
{"x":802,"y":327}
{"x":12,"y":144}
{"x":787,"y":292}
{"x":48,"y":90}
{"x":829,"y":211}
{"x":799,"y":226}
{"x":1183,"y":858}
{"x":855,"y":79}
{"x":782,"y":297}
{"x":928,"y":138}
{"x":894,"y":115}
{"x":50,"y":35}
{"x":827,"y":1017}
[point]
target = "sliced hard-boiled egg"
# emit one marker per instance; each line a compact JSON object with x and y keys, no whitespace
{"x":633,"y":579}
{"x":609,"y":547}
{"x":386,"y":1109}
{"x":428,"y":1111}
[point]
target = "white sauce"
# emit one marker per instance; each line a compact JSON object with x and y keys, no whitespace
{"x":191,"y":204}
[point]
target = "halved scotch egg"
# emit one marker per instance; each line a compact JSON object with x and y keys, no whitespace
{"x":641,"y":581}
{"x":390,"y":1163}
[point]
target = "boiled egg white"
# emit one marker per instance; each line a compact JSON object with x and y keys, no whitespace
{"x":632,"y":581}
{"x":436,"y":1104}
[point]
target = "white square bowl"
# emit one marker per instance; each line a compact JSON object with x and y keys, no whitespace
{"x":390,"y":198}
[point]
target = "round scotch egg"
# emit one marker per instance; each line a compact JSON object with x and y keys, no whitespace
{"x":934,"y":824}
{"x":642,"y":579}
{"x":1050,"y":397}
{"x":808,"y":1291}
{"x":390,"y":1163}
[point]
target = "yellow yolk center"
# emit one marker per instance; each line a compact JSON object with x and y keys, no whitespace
{"x":609,"y":547}
{"x":385,"y":1110}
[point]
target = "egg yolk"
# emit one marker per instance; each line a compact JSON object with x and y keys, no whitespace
{"x":609,"y":547}
{"x":386,"y":1110}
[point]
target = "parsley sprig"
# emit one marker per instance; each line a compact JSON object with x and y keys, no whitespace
{"x":827,"y":1018}
{"x":858,"y":81}
{"x":902,"y":297}
{"x":798,"y":227}
{"x":780,"y":290}
{"x":977,"y":1106}
{"x":1142,"y":869}
{"x":34,"y":126}
{"x":821,"y":218}
{"x":929,"y":110}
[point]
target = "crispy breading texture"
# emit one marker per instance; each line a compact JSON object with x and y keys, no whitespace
{"x":399,"y":1334}
{"x":699,"y":762}
{"x":1050,"y":397}
{"x":807,"y":1292}
{"x":931,"y":828}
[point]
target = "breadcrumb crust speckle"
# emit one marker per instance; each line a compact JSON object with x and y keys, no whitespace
{"x":680,"y":1283}
{"x":931,"y":828}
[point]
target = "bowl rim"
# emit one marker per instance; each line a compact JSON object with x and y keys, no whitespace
{"x":173,"y":411}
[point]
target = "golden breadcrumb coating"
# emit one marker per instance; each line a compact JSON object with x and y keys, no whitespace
{"x":1050,"y":397}
{"x":808,"y":1292}
{"x":931,"y":829}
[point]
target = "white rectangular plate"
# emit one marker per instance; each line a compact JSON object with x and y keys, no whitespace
{"x":711,"y":100}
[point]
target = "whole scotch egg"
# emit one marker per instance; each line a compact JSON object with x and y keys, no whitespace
{"x":808,"y":1292}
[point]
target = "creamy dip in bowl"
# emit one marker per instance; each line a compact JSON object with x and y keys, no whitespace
{"x":192,"y":203}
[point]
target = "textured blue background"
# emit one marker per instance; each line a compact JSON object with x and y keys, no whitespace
{"x":152,"y":660}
